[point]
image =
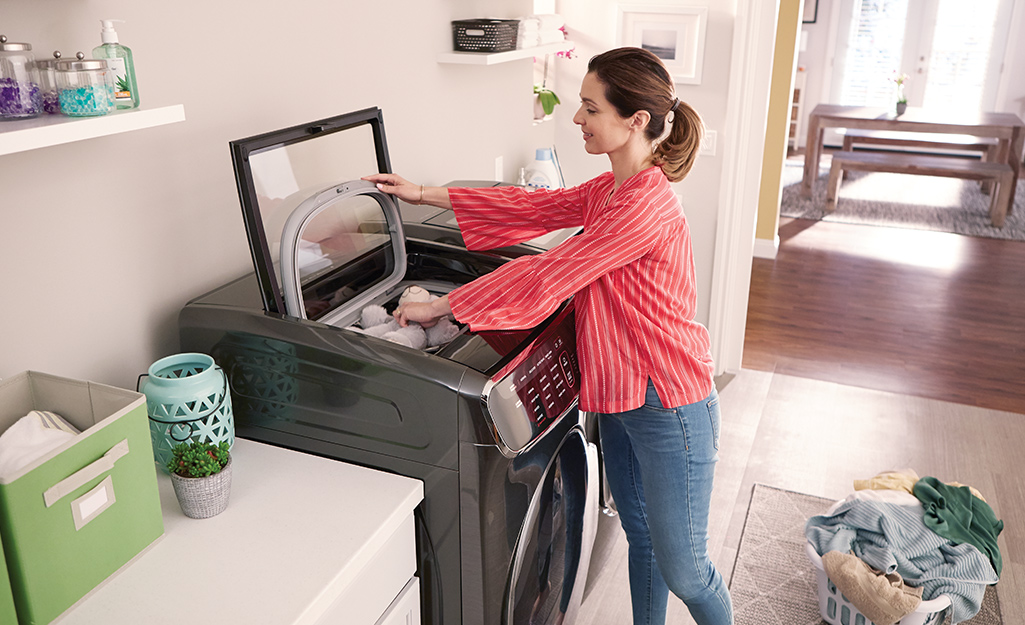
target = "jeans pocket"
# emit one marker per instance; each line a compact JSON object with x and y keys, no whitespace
{"x":716,"y":420}
{"x":657,"y":408}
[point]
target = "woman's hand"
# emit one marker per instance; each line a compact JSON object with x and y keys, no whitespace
{"x":409,"y":192}
{"x":426,"y":314}
{"x":397,"y":186}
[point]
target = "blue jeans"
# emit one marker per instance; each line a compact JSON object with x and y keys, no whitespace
{"x":659,"y":463}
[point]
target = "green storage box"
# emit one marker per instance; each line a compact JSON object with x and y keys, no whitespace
{"x":74,"y":517}
{"x":7,"y":613}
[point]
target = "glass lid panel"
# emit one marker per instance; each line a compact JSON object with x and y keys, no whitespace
{"x":286,"y":175}
{"x":340,"y":234}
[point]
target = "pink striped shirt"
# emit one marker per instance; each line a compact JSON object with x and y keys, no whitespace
{"x":631,"y":269}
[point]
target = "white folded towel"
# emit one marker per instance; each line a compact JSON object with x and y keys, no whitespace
{"x":551,"y":22}
{"x":32,"y":437}
{"x":53,"y":421}
{"x":532,"y":41}
{"x":551,"y":37}
{"x":529,"y":25}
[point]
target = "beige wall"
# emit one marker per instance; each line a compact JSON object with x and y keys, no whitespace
{"x":778,"y":123}
{"x":103,"y":241}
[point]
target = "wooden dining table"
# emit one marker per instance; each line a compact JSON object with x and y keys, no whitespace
{"x":1007,"y":128}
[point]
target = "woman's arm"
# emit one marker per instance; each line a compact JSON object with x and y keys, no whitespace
{"x":522,"y":292}
{"x":409,"y":192}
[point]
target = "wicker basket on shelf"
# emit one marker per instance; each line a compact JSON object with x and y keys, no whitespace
{"x":484,"y":35}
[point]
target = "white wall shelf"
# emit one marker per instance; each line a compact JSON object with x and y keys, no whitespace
{"x":47,"y":130}
{"x":481,"y":58}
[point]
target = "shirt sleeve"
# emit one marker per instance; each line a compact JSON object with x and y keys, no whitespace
{"x":522,"y":292}
{"x":499,"y":216}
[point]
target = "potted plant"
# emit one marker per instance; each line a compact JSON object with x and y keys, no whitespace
{"x":547,"y":99}
{"x":201,"y":476}
{"x":544,"y":98}
{"x":902,"y":101}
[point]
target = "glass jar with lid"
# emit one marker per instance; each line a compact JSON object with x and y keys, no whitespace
{"x":85,"y":87}
{"x":19,"y":85}
{"x":47,"y":70}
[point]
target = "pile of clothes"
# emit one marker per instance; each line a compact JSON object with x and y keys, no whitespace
{"x":899,"y":540}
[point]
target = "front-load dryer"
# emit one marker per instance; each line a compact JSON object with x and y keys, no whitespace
{"x":488,"y":421}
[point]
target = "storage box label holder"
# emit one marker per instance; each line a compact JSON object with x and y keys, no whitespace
{"x":90,"y":505}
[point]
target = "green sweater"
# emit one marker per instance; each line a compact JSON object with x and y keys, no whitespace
{"x":956,"y":514}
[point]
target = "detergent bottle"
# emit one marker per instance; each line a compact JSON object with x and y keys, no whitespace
{"x":542,"y":173}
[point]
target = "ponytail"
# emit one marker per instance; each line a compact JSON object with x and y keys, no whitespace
{"x":677,"y":152}
{"x":636,"y":80}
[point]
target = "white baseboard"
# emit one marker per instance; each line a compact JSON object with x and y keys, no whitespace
{"x":764,"y":248}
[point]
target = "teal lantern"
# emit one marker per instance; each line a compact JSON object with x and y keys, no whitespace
{"x":187,"y":399}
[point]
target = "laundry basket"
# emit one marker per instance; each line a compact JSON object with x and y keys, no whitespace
{"x":837,"y":610}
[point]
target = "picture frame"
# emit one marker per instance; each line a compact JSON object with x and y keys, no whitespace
{"x":674,"y":34}
{"x":811,"y":11}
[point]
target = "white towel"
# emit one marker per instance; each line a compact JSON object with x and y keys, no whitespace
{"x":529,"y":25}
{"x":551,"y":22}
{"x":528,"y":41}
{"x":30,"y":438}
{"x":552,"y":37}
{"x":53,"y":421}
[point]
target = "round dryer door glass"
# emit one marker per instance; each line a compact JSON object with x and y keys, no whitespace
{"x":544,"y":578}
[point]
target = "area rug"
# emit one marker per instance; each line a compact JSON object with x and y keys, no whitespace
{"x":902,"y":201}
{"x":773,"y":583}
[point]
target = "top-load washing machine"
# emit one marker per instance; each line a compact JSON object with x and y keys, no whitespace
{"x":488,"y":421}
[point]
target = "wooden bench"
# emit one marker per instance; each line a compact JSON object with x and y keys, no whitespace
{"x":903,"y":163}
{"x":937,"y":140}
{"x":989,"y":146}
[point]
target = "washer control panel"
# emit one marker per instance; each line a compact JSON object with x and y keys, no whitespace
{"x":538,"y":387}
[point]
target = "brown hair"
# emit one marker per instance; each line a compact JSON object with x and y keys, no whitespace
{"x":636,"y":80}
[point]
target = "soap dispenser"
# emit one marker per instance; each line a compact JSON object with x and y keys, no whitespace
{"x":119,"y":58}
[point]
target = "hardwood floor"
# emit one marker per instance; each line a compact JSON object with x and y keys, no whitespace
{"x":927,"y":314}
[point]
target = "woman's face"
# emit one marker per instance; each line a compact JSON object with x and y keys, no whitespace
{"x":604,"y":130}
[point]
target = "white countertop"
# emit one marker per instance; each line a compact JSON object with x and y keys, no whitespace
{"x":297,"y":531}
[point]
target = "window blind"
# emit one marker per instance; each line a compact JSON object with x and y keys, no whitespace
{"x":874,"y":52}
{"x":961,"y":50}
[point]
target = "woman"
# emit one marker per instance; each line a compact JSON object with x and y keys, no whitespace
{"x":645,"y":363}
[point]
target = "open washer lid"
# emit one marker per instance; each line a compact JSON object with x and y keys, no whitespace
{"x":278,"y":171}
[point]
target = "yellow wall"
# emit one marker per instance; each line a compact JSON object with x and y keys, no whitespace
{"x":778,"y":121}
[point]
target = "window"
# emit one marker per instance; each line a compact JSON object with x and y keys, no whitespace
{"x":952,"y":50}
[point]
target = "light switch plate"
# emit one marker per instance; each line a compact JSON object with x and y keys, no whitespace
{"x":708,"y":144}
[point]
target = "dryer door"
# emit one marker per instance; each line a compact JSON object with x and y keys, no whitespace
{"x":550,"y":563}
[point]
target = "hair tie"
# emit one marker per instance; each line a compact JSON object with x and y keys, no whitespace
{"x":668,"y":123}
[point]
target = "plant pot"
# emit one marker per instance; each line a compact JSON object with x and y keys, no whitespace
{"x":203,"y":497}
{"x":539,"y":109}
{"x":901,"y":107}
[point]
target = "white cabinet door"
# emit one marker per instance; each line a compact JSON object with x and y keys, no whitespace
{"x":405,"y":610}
{"x":383,"y":578}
